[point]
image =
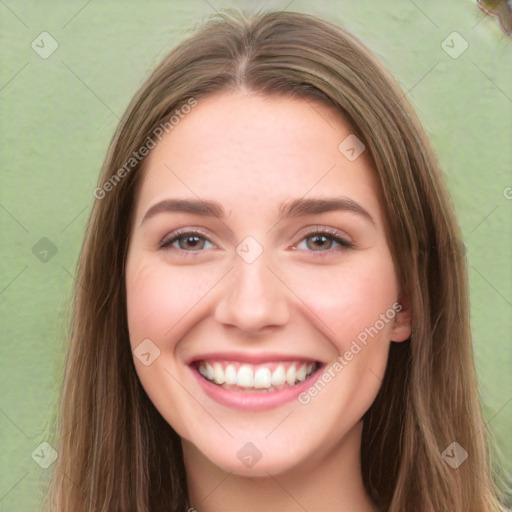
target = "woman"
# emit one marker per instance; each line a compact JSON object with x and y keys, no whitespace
{"x":272,"y":307}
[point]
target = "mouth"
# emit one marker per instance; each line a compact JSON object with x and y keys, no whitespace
{"x":267,"y":377}
{"x":254,"y":382}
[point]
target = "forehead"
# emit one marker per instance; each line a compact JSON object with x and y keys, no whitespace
{"x":243,"y":149}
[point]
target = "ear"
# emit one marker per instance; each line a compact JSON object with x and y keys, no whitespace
{"x":402,"y":326}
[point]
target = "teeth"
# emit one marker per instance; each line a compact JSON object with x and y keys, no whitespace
{"x":245,"y":376}
{"x":290,"y":375}
{"x":218,"y":373}
{"x":202,"y":370}
{"x":256,"y":377}
{"x":278,"y":376}
{"x":301,"y":373}
{"x":230,"y":374}
{"x":262,"y":378}
{"x":209,"y":371}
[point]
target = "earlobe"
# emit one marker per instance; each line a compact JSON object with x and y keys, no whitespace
{"x":402,"y":327}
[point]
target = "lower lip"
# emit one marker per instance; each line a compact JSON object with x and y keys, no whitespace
{"x":253,"y":400}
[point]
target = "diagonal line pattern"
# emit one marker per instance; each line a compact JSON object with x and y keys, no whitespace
{"x":492,"y":81}
{"x":197,"y":302}
{"x":14,"y":218}
{"x":1,"y":411}
{"x":199,"y":403}
{"x":486,"y":424}
{"x":424,"y":13}
{"x":96,"y":509}
{"x":12,"y":488}
{"x":72,"y":277}
{"x":212,"y":6}
{"x":14,"y":14}
{"x":74,"y":218}
{"x":486,"y":217}
{"x":418,"y":82}
{"x":371,"y":371}
{"x":478,"y":22}
{"x":280,"y":423}
{"x":14,"y":76}
{"x":318,"y":112}
{"x":305,"y":194}
{"x":301,"y":300}
{"x":287,"y":5}
{"x":13,"y":279}
{"x":90,"y":90}
{"x":200,"y":199}
{"x":216,"y":487}
{"x":286,"y":491}
{"x":75,"y":15}
{"x":491,"y":285}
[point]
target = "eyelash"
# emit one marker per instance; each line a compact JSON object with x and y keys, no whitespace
{"x":330,"y":234}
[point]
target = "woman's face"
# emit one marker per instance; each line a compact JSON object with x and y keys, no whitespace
{"x":258,"y":256}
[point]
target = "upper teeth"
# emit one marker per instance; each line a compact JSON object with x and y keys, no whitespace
{"x":256,"y":376}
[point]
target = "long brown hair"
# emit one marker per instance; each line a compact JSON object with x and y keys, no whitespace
{"x":116,"y":451}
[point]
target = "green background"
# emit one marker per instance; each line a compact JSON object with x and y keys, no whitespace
{"x":58,"y":115}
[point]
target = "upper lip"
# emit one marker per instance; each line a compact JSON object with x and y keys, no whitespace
{"x":244,"y":357}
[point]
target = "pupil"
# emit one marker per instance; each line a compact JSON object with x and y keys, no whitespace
{"x":191,"y":241}
{"x":320,"y":240}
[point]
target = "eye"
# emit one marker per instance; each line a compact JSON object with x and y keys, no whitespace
{"x":323,"y":241}
{"x":195,"y":241}
{"x":190,"y":241}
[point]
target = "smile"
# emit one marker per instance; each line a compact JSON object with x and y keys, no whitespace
{"x":265,"y":377}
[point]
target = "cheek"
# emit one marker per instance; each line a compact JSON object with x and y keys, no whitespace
{"x":349,"y":298}
{"x":355,"y":302}
{"x":159,"y":297}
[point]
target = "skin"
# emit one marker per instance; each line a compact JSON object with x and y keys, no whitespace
{"x":251,"y":153}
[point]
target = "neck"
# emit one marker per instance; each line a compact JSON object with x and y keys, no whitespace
{"x":331,"y":482}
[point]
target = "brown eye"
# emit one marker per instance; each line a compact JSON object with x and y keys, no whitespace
{"x":188,"y":241}
{"x":319,"y":242}
{"x":324,"y":242}
{"x":192,"y":242}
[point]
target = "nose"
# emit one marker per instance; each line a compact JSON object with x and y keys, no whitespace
{"x":253,"y":299}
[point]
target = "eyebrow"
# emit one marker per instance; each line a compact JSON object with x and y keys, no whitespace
{"x":314,"y":206}
{"x":295,"y":208}
{"x":196,"y":206}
